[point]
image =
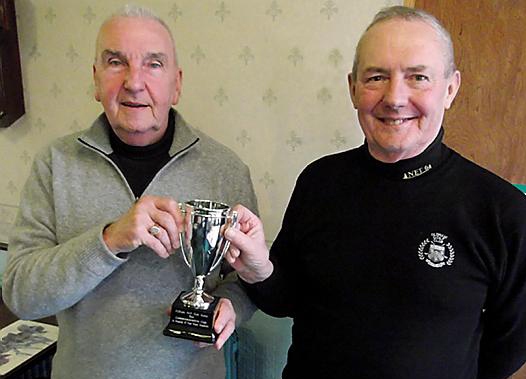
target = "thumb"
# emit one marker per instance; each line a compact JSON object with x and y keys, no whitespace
{"x":239,"y":239}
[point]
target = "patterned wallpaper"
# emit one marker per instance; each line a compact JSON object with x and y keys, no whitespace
{"x":265,"y":77}
{"x":268,"y":78}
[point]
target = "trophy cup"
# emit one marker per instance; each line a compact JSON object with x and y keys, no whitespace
{"x":203,"y":247}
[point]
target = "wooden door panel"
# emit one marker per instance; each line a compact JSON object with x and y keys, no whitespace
{"x":487,"y":122}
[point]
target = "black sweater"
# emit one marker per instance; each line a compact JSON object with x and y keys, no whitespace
{"x":411,"y":270}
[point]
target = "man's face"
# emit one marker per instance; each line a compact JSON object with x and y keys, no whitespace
{"x":401,"y":90}
{"x":136,"y":78}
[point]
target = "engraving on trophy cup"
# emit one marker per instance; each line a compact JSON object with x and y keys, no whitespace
{"x":203,"y":248}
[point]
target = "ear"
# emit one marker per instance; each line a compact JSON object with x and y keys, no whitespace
{"x":178,"y":86}
{"x":352,"y":89}
{"x":452,"y":89}
{"x":96,"y":82}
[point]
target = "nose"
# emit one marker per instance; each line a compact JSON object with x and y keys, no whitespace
{"x":396,"y":93}
{"x":134,"y":81}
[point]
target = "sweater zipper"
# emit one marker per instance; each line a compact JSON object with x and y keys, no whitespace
{"x":106,"y":157}
{"x":176,"y":156}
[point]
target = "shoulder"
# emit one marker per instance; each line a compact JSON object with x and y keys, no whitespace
{"x":215,"y":152}
{"x":484,"y":185}
{"x":333,"y":165}
{"x":63,"y":146}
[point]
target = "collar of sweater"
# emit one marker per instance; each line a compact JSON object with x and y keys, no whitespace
{"x":413,"y":168}
{"x":98,"y":135}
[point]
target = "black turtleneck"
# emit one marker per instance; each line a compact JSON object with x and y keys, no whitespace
{"x":139,"y":164}
{"x":386,"y":269}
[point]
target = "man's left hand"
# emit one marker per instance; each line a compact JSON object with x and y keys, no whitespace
{"x":225,"y":322}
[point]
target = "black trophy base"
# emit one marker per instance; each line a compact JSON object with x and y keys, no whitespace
{"x":190,"y":323}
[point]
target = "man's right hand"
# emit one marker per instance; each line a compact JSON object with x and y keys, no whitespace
{"x":133,"y":229}
{"x":248,"y":253}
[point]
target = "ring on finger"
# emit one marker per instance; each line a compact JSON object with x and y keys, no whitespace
{"x":154,"y":230}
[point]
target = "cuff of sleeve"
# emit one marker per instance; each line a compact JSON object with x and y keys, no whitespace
{"x":95,"y":255}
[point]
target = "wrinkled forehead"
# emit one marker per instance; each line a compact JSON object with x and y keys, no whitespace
{"x":408,"y":38}
{"x":135,"y":36}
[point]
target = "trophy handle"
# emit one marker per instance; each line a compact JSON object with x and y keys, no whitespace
{"x":232,"y":219}
{"x":182,"y":236}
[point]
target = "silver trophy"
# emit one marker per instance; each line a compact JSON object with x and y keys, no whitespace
{"x":203,"y":247}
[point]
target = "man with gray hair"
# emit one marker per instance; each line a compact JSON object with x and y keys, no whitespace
{"x":400,"y":258}
{"x":96,"y":239}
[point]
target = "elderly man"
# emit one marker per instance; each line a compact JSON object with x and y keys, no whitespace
{"x":400,"y":258}
{"x":83,"y":247}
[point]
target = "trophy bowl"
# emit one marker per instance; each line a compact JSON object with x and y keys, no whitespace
{"x":203,"y":247}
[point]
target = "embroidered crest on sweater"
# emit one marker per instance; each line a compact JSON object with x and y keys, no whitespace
{"x":436,"y":252}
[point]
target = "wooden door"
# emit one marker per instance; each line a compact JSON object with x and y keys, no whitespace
{"x":487,"y":122}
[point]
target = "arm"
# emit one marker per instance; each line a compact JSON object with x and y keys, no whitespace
{"x":239,"y":306}
{"x":44,"y":276}
{"x":268,"y":277}
{"x":503,"y":344}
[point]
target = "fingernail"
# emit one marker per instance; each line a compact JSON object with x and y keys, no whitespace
{"x":229,"y":233}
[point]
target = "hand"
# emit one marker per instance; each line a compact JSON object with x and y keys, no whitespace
{"x":248,"y":253}
{"x":225,"y":322}
{"x":132,"y":229}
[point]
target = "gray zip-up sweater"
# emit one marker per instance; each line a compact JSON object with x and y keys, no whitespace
{"x":112,"y":311}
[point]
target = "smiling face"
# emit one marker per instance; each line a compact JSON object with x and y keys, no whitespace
{"x":401,"y":90}
{"x":136,"y":78}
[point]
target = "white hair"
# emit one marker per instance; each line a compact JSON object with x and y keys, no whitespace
{"x":135,"y":11}
{"x":411,"y":14}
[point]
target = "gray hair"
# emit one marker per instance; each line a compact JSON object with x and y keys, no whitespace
{"x":411,"y":14}
{"x":135,"y":11}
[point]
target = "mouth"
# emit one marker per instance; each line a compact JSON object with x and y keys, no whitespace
{"x":131,"y":104}
{"x":395,"y":121}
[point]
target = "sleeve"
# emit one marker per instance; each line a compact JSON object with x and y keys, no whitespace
{"x":43,"y":276}
{"x":503,"y":344}
{"x":277,"y":295}
{"x":229,"y":286}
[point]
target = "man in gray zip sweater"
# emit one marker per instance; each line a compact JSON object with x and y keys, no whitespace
{"x":81,"y":246}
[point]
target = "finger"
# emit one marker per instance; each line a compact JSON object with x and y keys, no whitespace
{"x":243,"y":213}
{"x":239,"y":240}
{"x":170,"y":206}
{"x":165,"y":212}
{"x":225,"y":314}
{"x":163,"y":237}
{"x":168,"y":223}
{"x":225,"y":334}
{"x":156,"y":245}
{"x":232,"y":254}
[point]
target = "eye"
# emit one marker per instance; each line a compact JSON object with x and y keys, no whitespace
{"x":420,"y":78}
{"x":375,"y":78}
{"x":114,"y":62}
{"x":155,"y":64}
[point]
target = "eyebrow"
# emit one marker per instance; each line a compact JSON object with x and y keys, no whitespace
{"x":381,"y":70}
{"x":107,"y":53}
{"x":111,"y":53}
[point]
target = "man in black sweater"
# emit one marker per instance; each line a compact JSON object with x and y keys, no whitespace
{"x":400,"y":258}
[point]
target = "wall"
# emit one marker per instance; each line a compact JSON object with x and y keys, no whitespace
{"x":266,"y":78}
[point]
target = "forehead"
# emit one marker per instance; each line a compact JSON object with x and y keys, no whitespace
{"x":134,"y":35}
{"x":402,"y":43}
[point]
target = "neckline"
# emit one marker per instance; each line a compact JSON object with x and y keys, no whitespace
{"x":160,"y":147}
{"x":412,"y":168}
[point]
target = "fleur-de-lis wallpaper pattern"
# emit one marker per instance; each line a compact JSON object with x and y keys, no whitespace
{"x":268,"y":78}
{"x":265,"y":77}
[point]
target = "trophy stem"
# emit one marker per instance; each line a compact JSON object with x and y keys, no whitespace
{"x":197,"y":298}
